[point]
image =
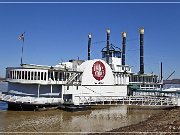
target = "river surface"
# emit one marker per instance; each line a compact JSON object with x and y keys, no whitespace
{"x":96,"y":119}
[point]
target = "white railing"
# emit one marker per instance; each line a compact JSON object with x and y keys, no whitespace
{"x":128,"y":100}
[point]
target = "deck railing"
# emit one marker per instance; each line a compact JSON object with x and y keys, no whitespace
{"x":127,"y":100}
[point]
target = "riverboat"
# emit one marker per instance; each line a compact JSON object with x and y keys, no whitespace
{"x":37,"y":86}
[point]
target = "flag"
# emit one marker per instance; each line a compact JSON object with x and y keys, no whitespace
{"x":21,"y":37}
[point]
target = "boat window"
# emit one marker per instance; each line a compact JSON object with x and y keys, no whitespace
{"x":19,"y":74}
{"x":38,"y":76}
{"x":52,"y":77}
{"x":25,"y":75}
{"x":76,"y":87}
{"x":22,"y":74}
{"x":35,"y":75}
{"x":110,"y":54}
{"x":28,"y":75}
{"x":32,"y":76}
{"x":67,"y":87}
{"x":155,"y":79}
{"x":103,"y":54}
{"x":10,"y":74}
{"x":56,"y":76}
{"x":42,"y":75}
{"x":60,"y":76}
{"x":143,"y":79}
{"x":48,"y":75}
{"x":117,"y":54}
{"x":135,"y":79}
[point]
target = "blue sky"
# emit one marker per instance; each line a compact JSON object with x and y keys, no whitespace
{"x":58,"y":32}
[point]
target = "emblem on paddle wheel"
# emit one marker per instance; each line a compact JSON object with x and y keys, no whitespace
{"x":98,"y":70}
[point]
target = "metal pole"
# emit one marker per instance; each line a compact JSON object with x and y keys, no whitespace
{"x":22,"y":53}
{"x":89,"y":46}
{"x":21,"y":37}
{"x":161,"y":72}
{"x":123,"y":48}
{"x":107,"y":55}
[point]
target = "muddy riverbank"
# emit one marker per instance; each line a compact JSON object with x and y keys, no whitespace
{"x":166,"y":122}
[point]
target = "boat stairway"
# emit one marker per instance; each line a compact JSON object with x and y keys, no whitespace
{"x":71,"y":78}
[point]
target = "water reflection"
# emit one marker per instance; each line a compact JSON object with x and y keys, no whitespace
{"x":94,"y":120}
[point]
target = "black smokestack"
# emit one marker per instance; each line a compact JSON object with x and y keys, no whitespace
{"x":141,"y":31}
{"x":89,"y":46}
{"x":107,"y":46}
{"x":124,"y":48}
{"x":161,"y":71}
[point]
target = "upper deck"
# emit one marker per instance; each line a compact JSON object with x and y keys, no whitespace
{"x":36,"y":74}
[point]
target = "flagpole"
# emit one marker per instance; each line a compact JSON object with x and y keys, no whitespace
{"x":21,"y":37}
{"x":22,"y":53}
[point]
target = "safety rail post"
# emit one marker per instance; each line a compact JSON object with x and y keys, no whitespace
{"x":161,"y":101}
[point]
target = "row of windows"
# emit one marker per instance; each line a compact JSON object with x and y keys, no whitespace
{"x":32,"y":75}
{"x":27,"y":75}
{"x":143,"y":79}
{"x":120,"y":75}
{"x":121,"y":79}
{"x":60,"y":76}
{"x":126,"y":68}
{"x":112,"y":54}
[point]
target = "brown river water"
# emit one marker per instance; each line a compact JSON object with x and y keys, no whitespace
{"x":96,"y":119}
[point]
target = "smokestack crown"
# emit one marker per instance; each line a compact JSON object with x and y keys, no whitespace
{"x":108,"y":31}
{"x":123,"y":34}
{"x":141,"y":30}
{"x":89,"y":35}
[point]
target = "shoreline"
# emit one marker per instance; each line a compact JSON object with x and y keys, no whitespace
{"x":167,"y":122}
